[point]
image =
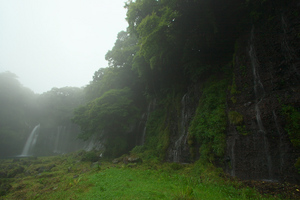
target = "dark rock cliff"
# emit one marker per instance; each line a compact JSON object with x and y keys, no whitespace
{"x":265,"y":84}
{"x":266,"y":70}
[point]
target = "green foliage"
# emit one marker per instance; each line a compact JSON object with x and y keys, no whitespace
{"x":297,"y":165}
{"x":56,"y":106}
{"x":209,"y":124}
{"x":233,"y":88}
{"x":233,"y":99}
{"x":235,"y":118}
{"x":157,"y":134}
{"x":176,"y":166}
{"x":156,"y":40}
{"x":109,"y":116}
{"x":292,"y":126}
{"x":158,"y":128}
{"x":119,"y":181}
{"x":114,"y":110}
{"x":90,"y":156}
{"x":123,"y":51}
{"x":242,"y":130}
{"x":137,"y":150}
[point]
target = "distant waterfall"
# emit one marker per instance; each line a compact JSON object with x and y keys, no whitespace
{"x":183,"y":136}
{"x":61,"y":144}
{"x":144,"y":120}
{"x":31,"y":141}
{"x":259,"y":92}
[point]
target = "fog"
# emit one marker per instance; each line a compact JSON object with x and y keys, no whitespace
{"x":57,"y":43}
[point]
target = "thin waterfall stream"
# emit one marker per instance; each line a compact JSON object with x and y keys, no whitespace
{"x":259,"y":95}
{"x":183,"y":137}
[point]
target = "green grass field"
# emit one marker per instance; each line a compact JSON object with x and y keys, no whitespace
{"x":67,"y":177}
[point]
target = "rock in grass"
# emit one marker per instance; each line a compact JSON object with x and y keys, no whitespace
{"x":135,"y":160}
{"x":95,"y":164}
{"x":116,"y":161}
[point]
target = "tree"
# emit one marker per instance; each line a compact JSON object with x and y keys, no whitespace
{"x":17,"y":113}
{"x":123,"y":51}
{"x":56,"y":106}
{"x":109,"y":116}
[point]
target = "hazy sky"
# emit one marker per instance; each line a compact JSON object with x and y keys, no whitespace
{"x":57,"y":43}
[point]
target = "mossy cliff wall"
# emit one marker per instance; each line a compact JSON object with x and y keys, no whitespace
{"x":247,"y":123}
{"x":264,"y":142}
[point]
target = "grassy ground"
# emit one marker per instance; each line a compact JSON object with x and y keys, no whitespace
{"x":68,"y":177}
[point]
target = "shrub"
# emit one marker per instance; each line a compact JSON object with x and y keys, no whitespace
{"x":90,"y":156}
{"x":209,"y":124}
{"x":235,"y":118}
{"x":292,"y":125}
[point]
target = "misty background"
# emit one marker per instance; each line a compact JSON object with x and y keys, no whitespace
{"x":57,"y":43}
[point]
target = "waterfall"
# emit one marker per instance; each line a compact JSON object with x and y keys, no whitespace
{"x":145,"y":118}
{"x":56,"y":141}
{"x":231,"y":147}
{"x":31,"y":141}
{"x":94,"y":143}
{"x":183,"y":136}
{"x":60,"y":142}
{"x":259,"y":95}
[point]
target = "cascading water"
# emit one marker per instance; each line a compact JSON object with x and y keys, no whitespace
{"x":31,"y":141}
{"x":259,"y":95}
{"x":183,"y":137}
{"x":231,"y":147}
{"x":145,"y":118}
{"x":60,"y":142}
{"x":94,"y":143}
{"x":44,"y":141}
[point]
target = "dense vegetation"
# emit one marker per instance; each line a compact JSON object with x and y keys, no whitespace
{"x":169,"y":47}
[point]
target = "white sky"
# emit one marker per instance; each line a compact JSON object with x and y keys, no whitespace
{"x":57,"y":43}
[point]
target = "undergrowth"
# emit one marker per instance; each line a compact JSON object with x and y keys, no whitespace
{"x":209,"y":124}
{"x":72,"y":178}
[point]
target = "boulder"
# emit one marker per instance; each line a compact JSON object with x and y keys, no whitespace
{"x":116,"y":161}
{"x":133,"y":159}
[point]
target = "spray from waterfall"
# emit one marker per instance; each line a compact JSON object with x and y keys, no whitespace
{"x":145,"y":116}
{"x":259,"y":92}
{"x":31,"y":141}
{"x":183,"y":136}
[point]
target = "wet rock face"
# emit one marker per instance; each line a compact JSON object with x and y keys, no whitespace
{"x":267,"y":76}
{"x":178,"y":150}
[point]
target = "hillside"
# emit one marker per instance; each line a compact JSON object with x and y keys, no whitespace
{"x":211,"y":82}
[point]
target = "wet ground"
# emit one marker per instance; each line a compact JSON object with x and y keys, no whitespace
{"x":276,"y":189}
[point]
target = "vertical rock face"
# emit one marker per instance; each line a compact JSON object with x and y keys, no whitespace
{"x":266,"y":77}
{"x":178,"y":150}
{"x":141,"y":128}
